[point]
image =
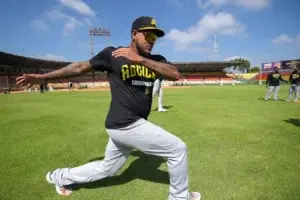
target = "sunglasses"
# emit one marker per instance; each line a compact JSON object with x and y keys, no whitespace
{"x":150,"y":37}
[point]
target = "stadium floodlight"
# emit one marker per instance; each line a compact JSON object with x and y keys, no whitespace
{"x":216,"y":48}
{"x":97,"y":32}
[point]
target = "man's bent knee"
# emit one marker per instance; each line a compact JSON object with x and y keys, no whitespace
{"x":180,"y":148}
{"x":110,"y":169}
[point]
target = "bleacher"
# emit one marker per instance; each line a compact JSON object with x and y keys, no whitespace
{"x":3,"y":81}
{"x":8,"y":84}
{"x":206,"y":78}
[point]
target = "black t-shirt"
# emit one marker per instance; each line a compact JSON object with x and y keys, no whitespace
{"x":295,"y":78}
{"x":274,"y":79}
{"x":131,"y":87}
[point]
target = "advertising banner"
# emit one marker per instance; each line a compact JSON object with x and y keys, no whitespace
{"x":288,"y":64}
{"x":270,"y":66}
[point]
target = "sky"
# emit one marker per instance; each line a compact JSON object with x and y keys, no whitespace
{"x":258,"y":30}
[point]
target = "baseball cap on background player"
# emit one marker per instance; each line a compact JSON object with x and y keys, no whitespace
{"x":145,"y":23}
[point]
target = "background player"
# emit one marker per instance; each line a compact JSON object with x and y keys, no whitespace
{"x":132,"y":71}
{"x":295,"y":85}
{"x":42,"y":88}
{"x":273,"y":82}
{"x":70,"y":87}
{"x":157,"y":89}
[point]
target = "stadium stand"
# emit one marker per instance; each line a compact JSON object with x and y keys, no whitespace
{"x":247,"y":76}
{"x":193,"y":73}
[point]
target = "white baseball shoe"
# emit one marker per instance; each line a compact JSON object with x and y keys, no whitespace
{"x":63,"y":191}
{"x":195,"y":196}
{"x":162,"y":110}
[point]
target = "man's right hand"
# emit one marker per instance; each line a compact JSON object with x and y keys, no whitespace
{"x":30,"y":80}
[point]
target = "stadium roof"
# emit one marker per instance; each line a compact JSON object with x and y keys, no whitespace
{"x":22,"y":61}
{"x":10,"y":60}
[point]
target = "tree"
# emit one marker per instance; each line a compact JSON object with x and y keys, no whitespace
{"x":241,"y":64}
{"x":254,"y":70}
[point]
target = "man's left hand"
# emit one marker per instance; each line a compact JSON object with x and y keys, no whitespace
{"x":127,"y":53}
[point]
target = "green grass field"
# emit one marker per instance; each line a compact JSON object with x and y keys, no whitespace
{"x":240,"y":147}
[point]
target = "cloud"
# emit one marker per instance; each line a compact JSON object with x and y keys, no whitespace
{"x":57,"y":15}
{"x":255,"y":5}
{"x":88,"y":21}
{"x":50,"y":56}
{"x":283,"y":39}
{"x":220,"y":23}
{"x":39,"y":24}
{"x":70,"y":23}
{"x":233,"y":57}
{"x":79,"y":6}
{"x":161,"y":43}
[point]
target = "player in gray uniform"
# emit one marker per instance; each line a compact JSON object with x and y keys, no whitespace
{"x":131,"y":72}
{"x":157,"y":90}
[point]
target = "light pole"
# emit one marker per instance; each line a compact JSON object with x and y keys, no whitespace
{"x":97,"y":32}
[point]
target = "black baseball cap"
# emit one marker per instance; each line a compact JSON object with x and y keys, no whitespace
{"x":145,"y":23}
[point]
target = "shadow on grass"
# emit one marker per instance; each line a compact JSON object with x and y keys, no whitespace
{"x":295,"y":122}
{"x":144,"y":168}
{"x":262,"y":99}
{"x":166,"y":107}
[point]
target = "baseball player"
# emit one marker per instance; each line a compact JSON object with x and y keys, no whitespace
{"x":70,"y":87}
{"x":131,"y":73}
{"x":42,"y":88}
{"x":273,"y":82}
{"x":157,"y":89}
{"x":295,"y":85}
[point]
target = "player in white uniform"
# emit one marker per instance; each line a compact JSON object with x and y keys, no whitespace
{"x":157,"y":89}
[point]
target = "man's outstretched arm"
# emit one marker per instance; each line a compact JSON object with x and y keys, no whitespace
{"x":71,"y":70}
{"x":100,"y":62}
{"x":280,"y":78}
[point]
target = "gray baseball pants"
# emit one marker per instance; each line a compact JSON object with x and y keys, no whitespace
{"x":157,"y":89}
{"x":270,"y":90}
{"x":294,"y":89}
{"x":145,"y":137}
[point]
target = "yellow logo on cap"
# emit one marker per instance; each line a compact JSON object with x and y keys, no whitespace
{"x":153,"y":22}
